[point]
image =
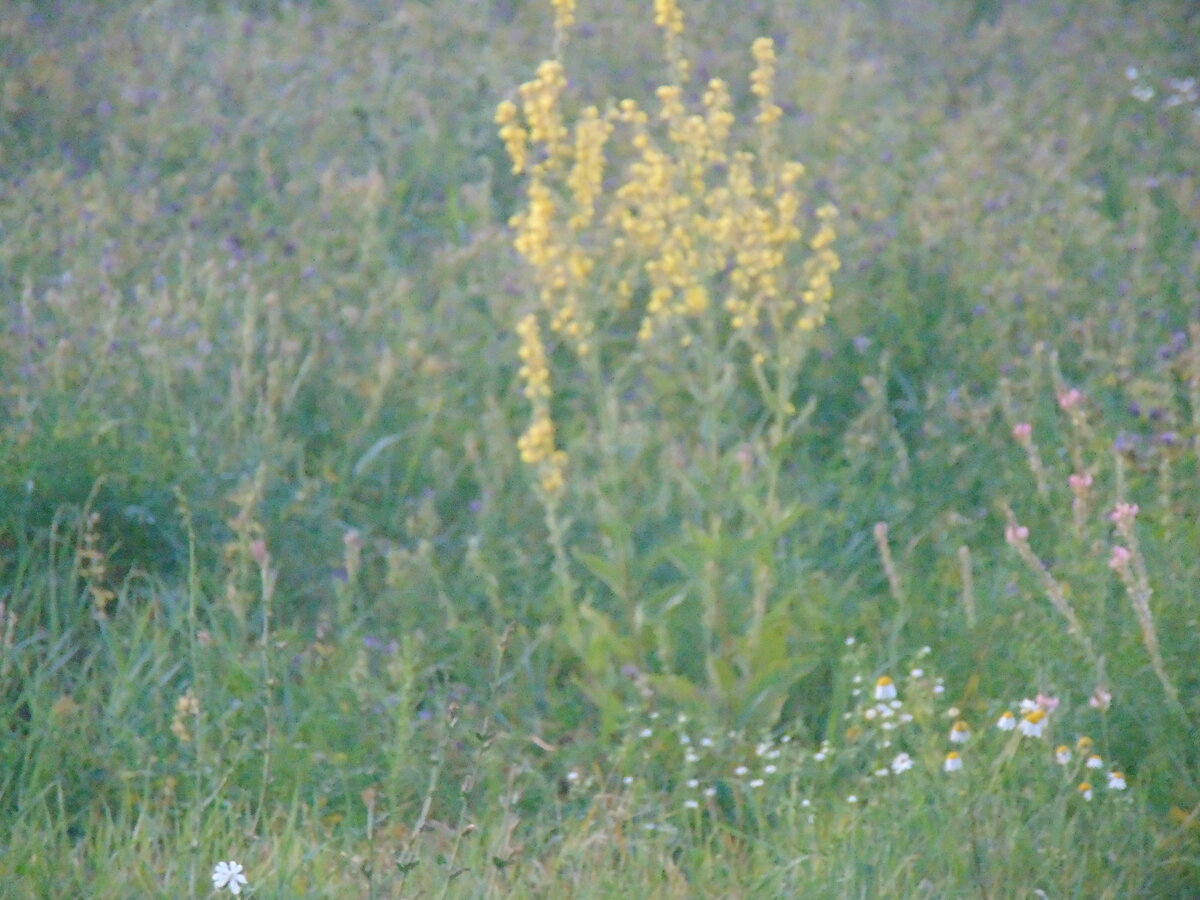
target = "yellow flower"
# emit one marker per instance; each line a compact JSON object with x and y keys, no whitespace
{"x":668,"y":16}
{"x":564,"y":14}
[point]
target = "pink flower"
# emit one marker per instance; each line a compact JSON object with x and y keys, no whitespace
{"x":1016,"y":534}
{"x":1100,"y":699}
{"x":1080,"y":482}
{"x":1119,"y":561}
{"x":1069,"y":398}
{"x":1049,"y":704}
{"x":1022,"y":431}
{"x":1123,"y":514}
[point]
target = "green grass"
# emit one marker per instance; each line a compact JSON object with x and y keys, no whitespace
{"x":277,"y":587}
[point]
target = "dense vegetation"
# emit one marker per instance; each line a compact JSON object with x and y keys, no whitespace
{"x":501,"y":448}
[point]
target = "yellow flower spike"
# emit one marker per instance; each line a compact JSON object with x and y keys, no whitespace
{"x":686,"y":216}
{"x":564,"y":15}
{"x":668,"y":16}
{"x":515,"y":137}
{"x":587,"y":173}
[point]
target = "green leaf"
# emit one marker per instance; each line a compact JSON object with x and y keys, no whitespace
{"x":604,"y":569}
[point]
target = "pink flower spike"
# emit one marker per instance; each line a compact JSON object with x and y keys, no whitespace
{"x":1101,"y":698}
{"x":1123,"y":514}
{"x":1080,"y":482}
{"x":1022,"y":432}
{"x":1119,"y":561}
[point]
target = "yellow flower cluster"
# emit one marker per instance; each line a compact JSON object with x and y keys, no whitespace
{"x":564,"y":15}
{"x":762,"y":81}
{"x":819,"y":269}
{"x":516,"y":138}
{"x":540,"y":104}
{"x":552,"y":246}
{"x":536,"y":445}
{"x":668,"y":16}
{"x":587,"y":169}
{"x":691,"y":223}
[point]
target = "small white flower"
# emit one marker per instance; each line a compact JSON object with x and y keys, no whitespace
{"x":756,"y":782}
{"x":228,"y":874}
{"x":953,"y":762}
{"x":902,"y":763}
{"x":740,"y":770}
{"x":885,"y":689}
{"x":1116,"y":781}
{"x":1143,"y":92}
{"x":1131,"y":73}
{"x":852,"y":799}
{"x":1007,"y":721}
{"x":1186,"y":87}
{"x":645,"y":732}
{"x":1062,"y":755}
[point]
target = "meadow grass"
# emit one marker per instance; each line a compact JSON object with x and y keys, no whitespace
{"x":518,"y":449}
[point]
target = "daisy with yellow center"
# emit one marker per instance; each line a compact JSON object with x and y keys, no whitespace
{"x":1034,"y":723}
{"x":885,"y":689}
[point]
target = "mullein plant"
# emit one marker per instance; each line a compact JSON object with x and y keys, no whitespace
{"x":680,"y":273}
